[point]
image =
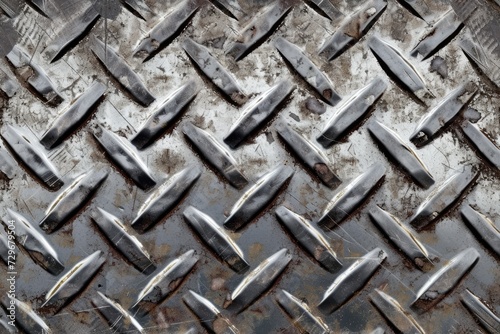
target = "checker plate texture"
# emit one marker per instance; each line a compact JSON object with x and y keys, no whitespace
{"x":231,"y":166}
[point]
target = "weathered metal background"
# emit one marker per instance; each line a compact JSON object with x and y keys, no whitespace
{"x":251,"y":166}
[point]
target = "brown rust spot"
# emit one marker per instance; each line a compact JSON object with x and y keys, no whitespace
{"x":315,"y":106}
{"x":255,"y":250}
{"x":327,"y":94}
{"x":321,"y":169}
{"x":174,"y":284}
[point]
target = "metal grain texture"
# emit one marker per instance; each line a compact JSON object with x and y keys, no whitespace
{"x":159,"y":191}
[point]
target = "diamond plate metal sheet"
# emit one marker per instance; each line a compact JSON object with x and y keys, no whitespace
{"x":232,"y":166}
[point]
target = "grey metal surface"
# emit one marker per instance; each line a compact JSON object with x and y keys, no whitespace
{"x":250,"y":166}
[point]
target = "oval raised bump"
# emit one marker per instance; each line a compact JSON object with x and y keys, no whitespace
{"x":166,"y":115}
{"x":125,"y":156}
{"x":351,"y":280}
{"x":215,"y":237}
{"x":258,"y":197}
{"x":258,"y":281}
{"x":214,"y":71}
{"x":351,"y":111}
{"x":351,"y":197}
{"x":353,"y":29}
{"x":74,"y":197}
{"x":307,"y":70}
{"x":309,"y":154}
{"x":72,"y":116}
{"x":71,"y":33}
{"x":73,"y":282}
{"x":165,"y":198}
{"x":397,"y":64}
{"x":442,"y":114}
{"x":131,"y":248}
{"x":401,"y":236}
{"x":261,"y":25}
{"x":441,"y":198}
{"x":309,"y":238}
{"x":164,"y":283}
{"x":34,"y":243}
{"x":39,"y":79}
{"x":448,"y":26}
{"x":483,"y":226}
{"x":166,"y":30}
{"x":32,"y":157}
{"x":401,"y":153}
{"x":216,"y":154}
{"x":487,"y":148}
{"x":445,"y":279}
{"x":122,"y":72}
{"x":257,"y":112}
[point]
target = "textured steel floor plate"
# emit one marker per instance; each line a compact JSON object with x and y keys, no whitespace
{"x":231,"y":166}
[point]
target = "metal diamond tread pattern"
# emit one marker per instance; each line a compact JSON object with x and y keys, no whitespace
{"x":230,"y":166}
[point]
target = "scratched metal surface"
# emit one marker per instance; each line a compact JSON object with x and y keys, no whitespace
{"x":233,"y":163}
